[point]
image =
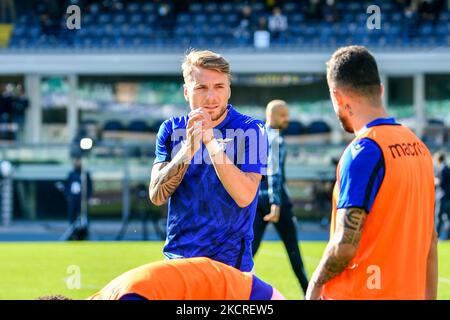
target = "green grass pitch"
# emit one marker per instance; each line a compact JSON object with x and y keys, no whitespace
{"x":29,"y":270}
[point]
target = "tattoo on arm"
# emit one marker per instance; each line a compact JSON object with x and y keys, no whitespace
{"x":166,"y":178}
{"x":332,"y":267}
{"x":350,"y":223}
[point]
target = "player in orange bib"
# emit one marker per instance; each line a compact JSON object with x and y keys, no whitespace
{"x":185,"y":279}
{"x":383,"y":243}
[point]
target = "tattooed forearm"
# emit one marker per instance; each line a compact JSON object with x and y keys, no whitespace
{"x":166,"y":177}
{"x":342,"y":247}
{"x":352,"y":221}
{"x":332,"y":267}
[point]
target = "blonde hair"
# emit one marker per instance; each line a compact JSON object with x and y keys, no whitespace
{"x":204,"y":59}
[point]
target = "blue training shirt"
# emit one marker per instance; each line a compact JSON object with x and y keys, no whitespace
{"x":362,"y":171}
{"x":203,"y":219}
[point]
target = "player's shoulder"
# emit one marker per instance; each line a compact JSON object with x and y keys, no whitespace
{"x":360,"y":152}
{"x":363,"y":146}
{"x":245,"y":120}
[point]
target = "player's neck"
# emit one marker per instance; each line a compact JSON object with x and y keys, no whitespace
{"x":370,"y":114}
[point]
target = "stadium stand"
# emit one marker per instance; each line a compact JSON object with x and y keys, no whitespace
{"x":179,"y":24}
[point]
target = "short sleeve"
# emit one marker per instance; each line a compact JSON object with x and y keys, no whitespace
{"x":163,"y":143}
{"x":256,"y":148}
{"x":260,"y":290}
{"x":361,"y":174}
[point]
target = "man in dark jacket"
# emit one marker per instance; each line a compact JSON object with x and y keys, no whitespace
{"x":73,"y":189}
{"x":442,"y":181}
{"x":274,"y":204}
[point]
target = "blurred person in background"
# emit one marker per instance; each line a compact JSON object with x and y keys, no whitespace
{"x":274,"y":204}
{"x":7,"y":11}
{"x":246,"y":26}
{"x":73,"y":189}
{"x":278,"y":23}
{"x":442,"y":182}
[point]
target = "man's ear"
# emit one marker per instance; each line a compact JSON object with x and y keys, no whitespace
{"x":185,"y":92}
{"x":338,"y":96}
{"x":382,"y":90}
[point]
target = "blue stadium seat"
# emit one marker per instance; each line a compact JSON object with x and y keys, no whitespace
{"x":216,"y":18}
{"x":200,"y":18}
{"x":181,"y":31}
{"x":396,"y":17}
{"x":133,"y":7}
{"x":386,"y":6}
{"x":119,"y":18}
{"x":104,"y":18}
{"x":184,"y":18}
{"x":318,"y":127}
{"x":361,"y":18}
{"x":426,"y":29}
{"x":151,"y":19}
{"x":442,"y":29}
{"x":136,"y":18}
{"x":196,"y":7}
{"x":113,"y":125}
{"x":211,"y":32}
{"x":87,"y":19}
{"x":434,"y":121}
{"x":183,"y":41}
{"x":143,"y":30}
{"x":356,"y":6}
{"x":138,"y":126}
{"x":211,"y":8}
{"x":94,"y":8}
{"x":34,"y":31}
{"x":232,"y":19}
{"x":296,"y":18}
{"x":148,"y":7}
{"x":444,"y":16}
{"x":19,"y":30}
{"x":289,"y":7}
{"x":226,"y":7}
{"x":99,"y":31}
{"x":340,"y":6}
{"x":310,"y":31}
{"x":294,"y":128}
{"x":348,"y":17}
{"x":24,"y":19}
{"x":258,"y":7}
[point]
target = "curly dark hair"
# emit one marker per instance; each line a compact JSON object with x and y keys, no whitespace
{"x":354,"y":68}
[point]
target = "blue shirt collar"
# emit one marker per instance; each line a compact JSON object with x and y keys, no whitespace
{"x":382,"y":121}
{"x":378,"y":122}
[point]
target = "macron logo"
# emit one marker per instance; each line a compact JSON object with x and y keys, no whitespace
{"x":261,"y":128}
{"x":355,"y":150}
